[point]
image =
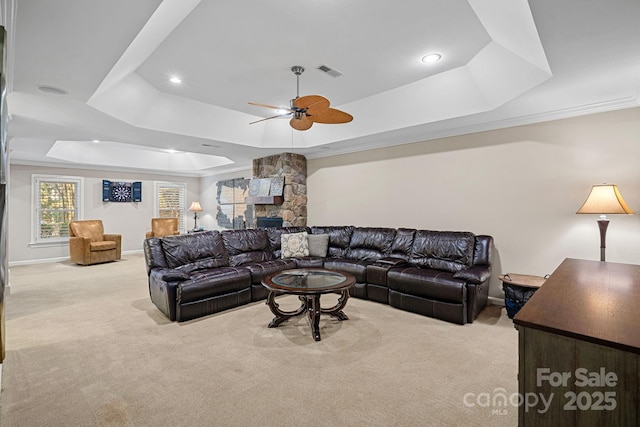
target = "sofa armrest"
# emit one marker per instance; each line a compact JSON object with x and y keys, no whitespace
{"x":475,"y":275}
{"x":162,"y":292}
{"x":169,"y":274}
{"x":118,"y":239}
{"x":79,"y":250}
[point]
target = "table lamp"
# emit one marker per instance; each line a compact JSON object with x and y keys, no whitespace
{"x":604,"y":199}
{"x":195,"y":208}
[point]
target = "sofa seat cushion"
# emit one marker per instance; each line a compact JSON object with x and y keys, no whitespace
{"x":309,"y":262}
{"x":355,"y":267}
{"x":216,"y":281}
{"x":106,"y":245}
{"x":427,"y":283}
{"x":260,"y":270}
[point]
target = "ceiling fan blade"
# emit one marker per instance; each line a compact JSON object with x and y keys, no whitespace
{"x":314,"y":104}
{"x":302,"y":123}
{"x":269,"y":118}
{"x":331,"y":116}
{"x":270,"y":106}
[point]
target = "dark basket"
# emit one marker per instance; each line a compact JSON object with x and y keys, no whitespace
{"x":515,"y":297}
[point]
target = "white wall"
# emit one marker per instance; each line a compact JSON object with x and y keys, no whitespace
{"x":521,"y":185}
{"x":132,"y":220}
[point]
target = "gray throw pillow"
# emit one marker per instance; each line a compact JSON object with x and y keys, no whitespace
{"x":318,"y":244}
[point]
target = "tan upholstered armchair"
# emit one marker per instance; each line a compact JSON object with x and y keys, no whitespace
{"x":89,"y":245}
{"x":161,"y":227}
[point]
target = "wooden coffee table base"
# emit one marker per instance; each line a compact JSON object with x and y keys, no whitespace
{"x":311,"y":306}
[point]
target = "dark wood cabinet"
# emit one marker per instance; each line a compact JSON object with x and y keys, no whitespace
{"x":579,"y":347}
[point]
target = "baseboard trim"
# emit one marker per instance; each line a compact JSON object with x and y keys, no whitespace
{"x":58,"y":259}
{"x":496,"y":301}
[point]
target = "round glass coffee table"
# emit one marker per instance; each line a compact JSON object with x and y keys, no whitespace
{"x":308,"y":284}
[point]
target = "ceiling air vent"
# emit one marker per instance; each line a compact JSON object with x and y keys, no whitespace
{"x":330,"y":71}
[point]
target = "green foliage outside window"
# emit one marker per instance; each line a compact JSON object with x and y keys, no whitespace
{"x":57,"y":208}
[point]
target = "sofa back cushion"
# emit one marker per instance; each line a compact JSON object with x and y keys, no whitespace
{"x":403,"y":243}
{"x":274,"y":234}
{"x":196,"y":251}
{"x":161,"y":227}
{"x":339,"y":238}
{"x":91,"y":229}
{"x":443,"y":250}
{"x":370,"y":244}
{"x":246,"y":246}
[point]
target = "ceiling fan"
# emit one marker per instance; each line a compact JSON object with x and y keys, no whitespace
{"x":307,"y":110}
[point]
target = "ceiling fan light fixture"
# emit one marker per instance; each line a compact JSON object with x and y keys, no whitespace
{"x":306,"y":110}
{"x":431,"y":58}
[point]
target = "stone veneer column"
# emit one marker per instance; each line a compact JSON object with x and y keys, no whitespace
{"x":293,"y":169}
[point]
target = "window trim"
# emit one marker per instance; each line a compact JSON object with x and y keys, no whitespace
{"x":182,"y":223}
{"x":36,"y":179}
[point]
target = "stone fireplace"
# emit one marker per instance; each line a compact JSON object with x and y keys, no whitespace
{"x":293,"y":169}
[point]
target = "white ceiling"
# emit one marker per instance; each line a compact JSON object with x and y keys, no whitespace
{"x":505,"y":63}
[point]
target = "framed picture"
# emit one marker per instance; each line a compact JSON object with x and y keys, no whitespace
{"x":254,"y":187}
{"x":233,"y":212}
{"x":265,"y":187}
{"x":277,"y":186}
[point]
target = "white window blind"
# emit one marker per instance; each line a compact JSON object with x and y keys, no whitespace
{"x":56,"y":202}
{"x":170,"y":201}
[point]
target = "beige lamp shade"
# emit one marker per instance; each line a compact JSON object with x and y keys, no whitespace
{"x":195,"y":207}
{"x":605,"y":199}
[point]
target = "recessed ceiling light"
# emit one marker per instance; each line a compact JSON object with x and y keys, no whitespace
{"x":431,"y":58}
{"x":52,"y":90}
{"x":175,"y":80}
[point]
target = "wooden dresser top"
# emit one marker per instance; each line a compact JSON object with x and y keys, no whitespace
{"x":593,"y":301}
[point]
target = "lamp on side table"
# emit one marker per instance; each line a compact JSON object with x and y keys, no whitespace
{"x":604,"y":199}
{"x":195,"y":208}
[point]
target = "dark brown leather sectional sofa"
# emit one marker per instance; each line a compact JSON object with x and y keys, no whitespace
{"x":441,"y":274}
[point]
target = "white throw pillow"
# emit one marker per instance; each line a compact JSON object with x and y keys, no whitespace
{"x":294,"y":245}
{"x":318,"y":244}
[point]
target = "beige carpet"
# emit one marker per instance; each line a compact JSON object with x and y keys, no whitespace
{"x":86,"y":347}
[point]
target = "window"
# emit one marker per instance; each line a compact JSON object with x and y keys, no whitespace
{"x":170,"y":201}
{"x":233,"y":211}
{"x":57,"y":200}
